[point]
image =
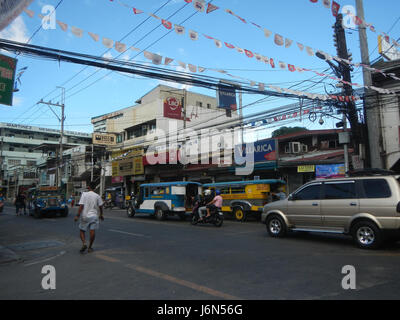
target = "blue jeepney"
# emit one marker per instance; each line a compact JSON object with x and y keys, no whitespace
{"x":165,"y":199}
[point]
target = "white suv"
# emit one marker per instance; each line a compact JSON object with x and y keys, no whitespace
{"x":367,"y":208}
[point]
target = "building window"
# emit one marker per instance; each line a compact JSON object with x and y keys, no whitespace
{"x":11,"y":149}
{"x":199,"y":104}
{"x":208,"y":106}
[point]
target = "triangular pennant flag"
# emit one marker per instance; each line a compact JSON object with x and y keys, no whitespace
{"x":108,"y":43}
{"x":201,"y":69}
{"x":182,"y":64}
{"x":193,"y":35}
{"x":135,"y":49}
{"x":179,"y":29}
{"x":63,"y":26}
{"x":288,"y":43}
{"x":208,"y":37}
{"x":77,"y":32}
{"x":167,"y":61}
{"x":291,"y":68}
{"x":279,"y":40}
{"x":94,"y":36}
{"x":192,"y":68}
{"x":148,"y":55}
{"x":188,"y":1}
{"x":310,"y":51}
{"x":267,"y":33}
{"x":30,"y":13}
{"x":137,"y":11}
{"x":199,"y":5}
{"x":249,"y":53}
{"x":120,"y":47}
{"x":327,"y":3}
{"x":240,"y":50}
{"x":261,"y":86}
{"x":301,"y":46}
{"x":211,"y":8}
{"x":282,"y":65}
{"x":230,"y":46}
{"x":154,"y":16}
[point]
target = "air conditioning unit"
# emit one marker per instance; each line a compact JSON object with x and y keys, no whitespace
{"x":293,"y":147}
{"x":304,"y":148}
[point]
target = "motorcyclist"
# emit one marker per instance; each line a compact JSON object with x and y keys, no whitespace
{"x":207,"y":198}
{"x":215,"y":204}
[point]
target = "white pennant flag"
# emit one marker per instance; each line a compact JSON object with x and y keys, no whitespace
{"x":288,"y":43}
{"x":120,"y":47}
{"x":193,"y":35}
{"x":261,"y":86}
{"x":301,"y":46}
{"x":167,"y":61}
{"x":94,"y":36}
{"x":108,"y":43}
{"x":279,"y":40}
{"x":218,"y":43}
{"x":179,"y":29}
{"x":148,"y":55}
{"x":327,"y":3}
{"x":192,"y":68}
{"x":182,"y":64}
{"x":30,"y":13}
{"x":63,"y":26}
{"x":267,"y":33}
{"x":310,"y":51}
{"x":199,"y":5}
{"x":77,"y":32}
{"x":157,"y":59}
{"x":201,"y":69}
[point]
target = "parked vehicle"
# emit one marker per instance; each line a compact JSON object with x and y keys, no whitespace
{"x":114,"y":197}
{"x":244,"y":198}
{"x":164,"y":199}
{"x":365,"y":207}
{"x":46,"y":201}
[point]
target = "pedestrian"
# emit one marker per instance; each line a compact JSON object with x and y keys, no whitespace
{"x":19,"y":203}
{"x":90,"y":205}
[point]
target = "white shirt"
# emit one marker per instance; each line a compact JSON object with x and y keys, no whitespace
{"x":91,"y":202}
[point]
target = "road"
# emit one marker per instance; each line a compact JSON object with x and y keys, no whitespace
{"x":146,"y":259}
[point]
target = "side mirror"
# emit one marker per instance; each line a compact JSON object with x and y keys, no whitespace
{"x":292,"y":197}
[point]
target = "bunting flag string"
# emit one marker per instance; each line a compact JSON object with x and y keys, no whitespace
{"x":280,"y":41}
{"x":158,"y":59}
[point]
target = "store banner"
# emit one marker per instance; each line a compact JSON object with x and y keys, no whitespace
{"x":173,"y":108}
{"x":306,"y":169}
{"x":227,"y":97}
{"x":264,"y":150}
{"x":104,"y":139}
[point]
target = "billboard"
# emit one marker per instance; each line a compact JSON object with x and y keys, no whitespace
{"x":104,"y":139}
{"x":227,"y":97}
{"x":388,"y":50}
{"x":330,"y":171}
{"x":7,"y":78}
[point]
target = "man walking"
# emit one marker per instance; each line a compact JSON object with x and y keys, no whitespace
{"x":89,"y":206}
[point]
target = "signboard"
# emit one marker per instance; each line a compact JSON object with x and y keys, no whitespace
{"x":7,"y":78}
{"x":227,"y":97}
{"x":388,"y":50}
{"x":264,"y":150}
{"x":104,"y":139}
{"x":330,"y":171}
{"x":304,"y":169}
{"x":117,"y":179}
{"x":128,"y":167}
{"x":173,"y":108}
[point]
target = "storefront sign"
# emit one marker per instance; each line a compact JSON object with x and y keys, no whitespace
{"x":227,"y":97}
{"x":128,"y":167}
{"x":7,"y":78}
{"x":173,"y":108}
{"x":104,"y":139}
{"x":264,"y":150}
{"x":304,"y":169}
{"x":117,"y":179}
{"x":330,"y":171}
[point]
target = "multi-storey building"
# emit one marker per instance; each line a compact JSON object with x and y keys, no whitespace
{"x":20,"y":152}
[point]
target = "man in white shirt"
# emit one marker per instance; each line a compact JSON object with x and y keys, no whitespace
{"x":89,"y":206}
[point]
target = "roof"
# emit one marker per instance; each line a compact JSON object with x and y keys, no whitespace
{"x":309,"y":133}
{"x":220,"y":184}
{"x":167,"y":184}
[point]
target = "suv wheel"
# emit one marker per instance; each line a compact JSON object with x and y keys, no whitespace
{"x":367,"y":235}
{"x":276,"y":227}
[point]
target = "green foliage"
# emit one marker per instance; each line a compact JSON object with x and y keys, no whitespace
{"x":287,"y":130}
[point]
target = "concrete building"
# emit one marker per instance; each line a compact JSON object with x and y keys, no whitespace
{"x":20,"y":153}
{"x":388,"y":108}
{"x":164,"y":111}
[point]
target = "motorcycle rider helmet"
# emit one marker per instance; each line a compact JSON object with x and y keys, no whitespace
{"x":217,"y":192}
{"x":207,"y":192}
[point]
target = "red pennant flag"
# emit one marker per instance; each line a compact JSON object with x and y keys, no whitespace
{"x":167,"y":24}
{"x":335,"y":8}
{"x":188,"y":1}
{"x":230,"y":46}
{"x":211,"y":8}
{"x":314,"y":1}
{"x":272,"y":62}
{"x":249,"y":53}
{"x":291,"y":68}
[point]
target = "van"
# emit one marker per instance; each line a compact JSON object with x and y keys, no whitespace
{"x":367,"y":208}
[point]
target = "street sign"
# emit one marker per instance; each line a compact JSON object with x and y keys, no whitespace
{"x":7,"y":78}
{"x":104,"y":139}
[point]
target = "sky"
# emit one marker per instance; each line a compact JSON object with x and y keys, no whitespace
{"x":92,"y":92}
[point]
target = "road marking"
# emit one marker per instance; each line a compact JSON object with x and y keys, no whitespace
{"x":184,"y":283}
{"x":131,"y":234}
{"x":47,"y":259}
{"x":172,"y":279}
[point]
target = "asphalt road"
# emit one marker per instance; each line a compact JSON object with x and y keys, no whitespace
{"x":144,"y":259}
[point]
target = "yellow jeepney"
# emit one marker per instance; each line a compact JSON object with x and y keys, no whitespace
{"x":244,"y":198}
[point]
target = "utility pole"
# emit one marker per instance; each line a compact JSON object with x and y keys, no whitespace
{"x":371,"y":108}
{"x":62,"y":119}
{"x":350,"y":108}
{"x":91,"y":173}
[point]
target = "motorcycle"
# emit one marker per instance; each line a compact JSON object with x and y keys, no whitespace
{"x":1,"y":206}
{"x":130,"y":206}
{"x":216,"y":216}
{"x":108,"y":204}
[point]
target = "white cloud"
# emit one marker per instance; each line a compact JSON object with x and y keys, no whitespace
{"x":17,"y":31}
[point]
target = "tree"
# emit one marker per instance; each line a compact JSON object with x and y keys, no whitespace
{"x":287,"y":130}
